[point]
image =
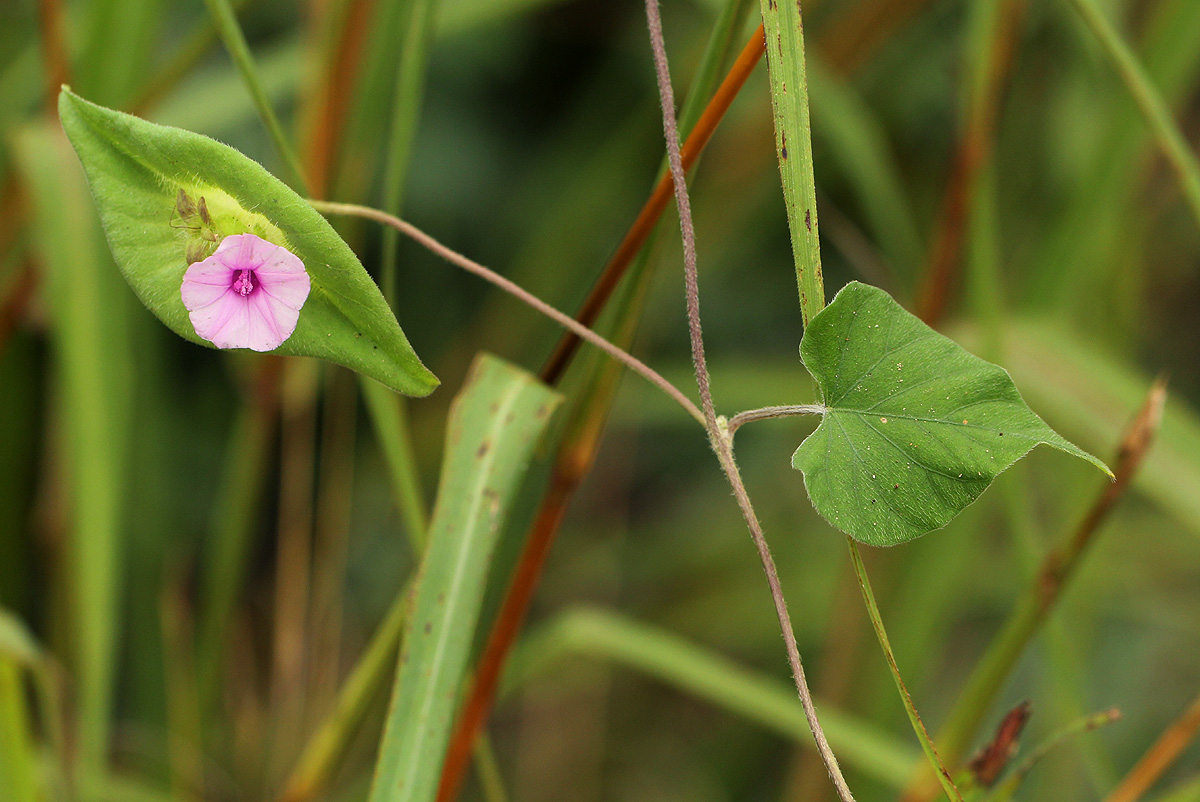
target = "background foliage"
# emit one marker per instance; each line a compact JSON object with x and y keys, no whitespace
{"x":204,"y":543}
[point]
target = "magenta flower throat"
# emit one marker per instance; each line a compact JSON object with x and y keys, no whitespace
{"x":248,"y":294}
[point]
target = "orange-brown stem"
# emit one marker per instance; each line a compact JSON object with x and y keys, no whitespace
{"x":1159,"y":757}
{"x":574,"y":458}
{"x":335,"y":89}
{"x":504,"y":633}
{"x":974,"y":149}
{"x":850,"y":40}
{"x":652,"y":210}
{"x":1039,"y":599}
{"x":54,"y":50}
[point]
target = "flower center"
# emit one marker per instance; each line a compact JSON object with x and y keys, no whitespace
{"x":244,"y":283}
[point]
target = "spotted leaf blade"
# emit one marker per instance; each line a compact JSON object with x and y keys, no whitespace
{"x":915,"y":427}
{"x":142,"y":175}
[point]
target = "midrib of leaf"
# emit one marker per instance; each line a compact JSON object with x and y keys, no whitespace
{"x":907,"y":455}
{"x":861,"y":461}
{"x":876,"y":364}
{"x":438,"y":660}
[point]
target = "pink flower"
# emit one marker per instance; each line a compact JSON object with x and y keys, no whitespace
{"x":248,"y":294}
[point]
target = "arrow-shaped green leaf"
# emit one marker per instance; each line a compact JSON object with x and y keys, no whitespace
{"x":915,"y":427}
{"x":148,"y":182}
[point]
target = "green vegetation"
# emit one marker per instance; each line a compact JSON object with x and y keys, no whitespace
{"x":229,"y":576}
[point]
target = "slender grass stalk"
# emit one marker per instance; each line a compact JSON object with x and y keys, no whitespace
{"x":1159,"y":757}
{"x":243,"y":481}
{"x":471,"y":266}
{"x":611,"y":638}
{"x":323,"y":752}
{"x":642,"y":228}
{"x":197,"y":43}
{"x":582,"y":433}
{"x":927,"y":746}
{"x":789,"y":99}
{"x":235,"y":42}
{"x":331,"y":534}
{"x":389,"y":415}
{"x":291,"y":627}
{"x":334,"y":40}
{"x":92,"y":412}
{"x":793,"y":145}
{"x":1006,"y":789}
{"x":18,"y":755}
{"x":717,"y":437}
{"x":491,"y":782}
{"x":184,"y":720}
{"x":995,"y":27}
{"x":411,"y":67}
{"x":1149,"y":101}
{"x":1040,"y":597}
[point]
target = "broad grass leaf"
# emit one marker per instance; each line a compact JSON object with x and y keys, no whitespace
{"x":495,"y":423}
{"x":137,"y":171}
{"x":915,"y":427}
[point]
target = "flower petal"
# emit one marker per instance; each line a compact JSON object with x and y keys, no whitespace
{"x":276,"y":317}
{"x":208,"y":320}
{"x":203,"y":283}
{"x":234,"y":331}
{"x":245,"y":251}
{"x":284,"y":279}
{"x":263,"y":319}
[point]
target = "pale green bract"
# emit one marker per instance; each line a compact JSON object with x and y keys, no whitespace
{"x":149,"y":182}
{"x":915,"y":427}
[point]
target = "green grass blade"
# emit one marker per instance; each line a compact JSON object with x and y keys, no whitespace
{"x":1187,"y":791}
{"x":18,"y":769}
{"x":767,"y":701}
{"x":88,"y":302}
{"x":119,"y":43}
{"x":235,"y":42}
{"x":20,"y":410}
{"x":793,"y":146}
{"x":389,"y":416}
{"x":464,"y":15}
{"x":1149,"y":100}
{"x":1090,"y":394}
{"x":21,"y":649}
{"x":416,"y":34}
{"x":1077,"y":250}
{"x":214,"y":103}
{"x":494,"y":424}
{"x":325,"y":748}
{"x":857,"y":143}
{"x":236,"y":513}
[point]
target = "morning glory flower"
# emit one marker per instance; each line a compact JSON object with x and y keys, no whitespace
{"x":248,"y":294}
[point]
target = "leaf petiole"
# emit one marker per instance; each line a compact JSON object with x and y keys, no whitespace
{"x":767,"y":413}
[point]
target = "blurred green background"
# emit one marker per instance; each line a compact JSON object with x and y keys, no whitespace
{"x":203,"y":543}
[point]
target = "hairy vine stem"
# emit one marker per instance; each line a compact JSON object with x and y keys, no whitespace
{"x":719,"y":436}
{"x":471,"y":266}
